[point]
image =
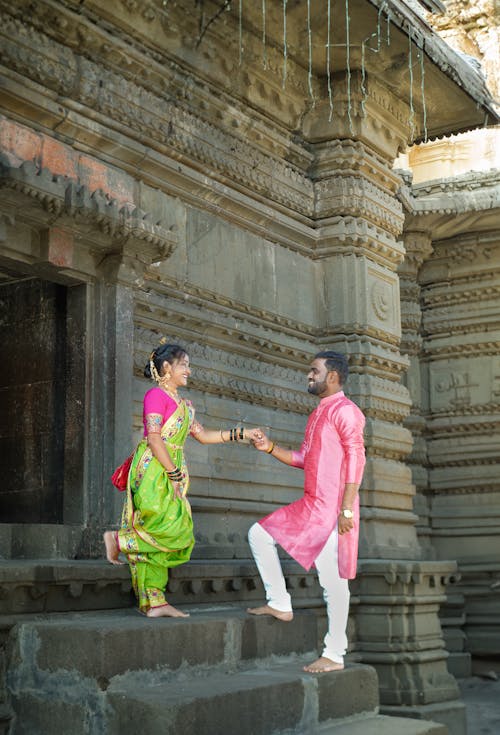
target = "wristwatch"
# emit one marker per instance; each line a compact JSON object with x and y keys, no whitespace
{"x":347,"y":513}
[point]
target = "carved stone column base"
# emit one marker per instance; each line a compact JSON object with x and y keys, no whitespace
{"x":399,"y":633}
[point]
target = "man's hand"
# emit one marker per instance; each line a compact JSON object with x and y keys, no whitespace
{"x":345,"y":524}
{"x":259,"y":440}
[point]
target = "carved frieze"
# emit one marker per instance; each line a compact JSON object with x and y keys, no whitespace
{"x":231,"y":373}
{"x":345,"y":235}
{"x":464,"y":385}
{"x":111,"y":228}
{"x":353,"y":158}
{"x":341,"y":194}
{"x":165,"y":121}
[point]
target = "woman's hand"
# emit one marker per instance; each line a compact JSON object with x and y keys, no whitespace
{"x":177,"y":487}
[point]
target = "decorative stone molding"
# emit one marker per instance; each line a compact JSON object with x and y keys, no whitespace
{"x":112,"y":229}
{"x":469,"y":192}
{"x":339,"y":194}
{"x":285,"y":341}
{"x":283,"y":388}
{"x":412,"y":592}
{"x":346,"y":235}
{"x":153,"y":113}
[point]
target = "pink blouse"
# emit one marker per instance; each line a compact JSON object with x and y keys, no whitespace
{"x":332,"y":455}
{"x":158,"y":406}
{"x":161,"y":405}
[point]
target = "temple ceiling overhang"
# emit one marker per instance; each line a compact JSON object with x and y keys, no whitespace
{"x":467,"y":204}
{"x":290,"y":61}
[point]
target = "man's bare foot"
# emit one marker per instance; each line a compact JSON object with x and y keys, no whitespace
{"x":322,"y":665}
{"x":112,"y":549}
{"x":166,"y":611}
{"x":267,"y":610}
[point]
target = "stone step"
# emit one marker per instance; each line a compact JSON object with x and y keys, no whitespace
{"x":256,"y":701}
{"x":219,"y":671}
{"x":107,"y":644}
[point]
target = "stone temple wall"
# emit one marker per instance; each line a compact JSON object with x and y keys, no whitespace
{"x":172,"y":191}
{"x":454,"y":230}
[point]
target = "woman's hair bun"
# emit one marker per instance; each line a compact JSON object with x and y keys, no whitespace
{"x":164,"y":351}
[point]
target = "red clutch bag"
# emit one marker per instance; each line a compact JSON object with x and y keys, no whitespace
{"x":119,"y":478}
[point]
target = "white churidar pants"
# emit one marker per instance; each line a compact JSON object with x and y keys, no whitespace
{"x":335,"y":589}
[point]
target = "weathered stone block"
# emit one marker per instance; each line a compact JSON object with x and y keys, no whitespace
{"x":355,"y":691}
{"x":253,"y":703}
{"x":267,"y":636}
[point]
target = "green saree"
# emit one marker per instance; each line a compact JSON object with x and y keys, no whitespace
{"x":157,"y":527}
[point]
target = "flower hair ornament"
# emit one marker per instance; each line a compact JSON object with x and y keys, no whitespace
{"x":154,"y":372}
{"x":161,"y":380}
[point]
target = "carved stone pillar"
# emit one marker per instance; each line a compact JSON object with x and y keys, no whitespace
{"x":418,"y":248}
{"x":359,"y":223}
{"x":460,"y":287}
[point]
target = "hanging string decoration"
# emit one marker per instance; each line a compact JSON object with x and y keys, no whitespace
{"x":348,"y":64}
{"x":372,"y":44}
{"x":284,"y":43}
{"x":422,"y":89}
{"x":411,"y":119}
{"x":328,"y":71}
{"x":365,"y":44}
{"x":309,"y":41}
{"x":264,"y":51}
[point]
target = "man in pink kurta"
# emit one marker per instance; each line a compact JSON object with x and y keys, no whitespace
{"x":322,"y":527}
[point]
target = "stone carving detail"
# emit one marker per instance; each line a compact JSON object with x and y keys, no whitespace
{"x":346,"y":235}
{"x":380,"y":298}
{"x":166,"y":122}
{"x":65,"y":199}
{"x":215,"y":379}
{"x":459,"y":194}
{"x":361,"y":198}
{"x":458,"y":384}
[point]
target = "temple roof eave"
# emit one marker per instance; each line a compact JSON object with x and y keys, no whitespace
{"x":455,"y":205}
{"x":452,"y":65}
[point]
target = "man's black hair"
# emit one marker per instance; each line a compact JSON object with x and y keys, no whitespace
{"x":335,"y":361}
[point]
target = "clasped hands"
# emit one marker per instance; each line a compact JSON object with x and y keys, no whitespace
{"x":258,"y":438}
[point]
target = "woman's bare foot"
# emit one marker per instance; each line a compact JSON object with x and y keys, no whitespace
{"x":166,"y":611}
{"x":285,"y":617}
{"x":112,"y":549}
{"x":322,"y":665}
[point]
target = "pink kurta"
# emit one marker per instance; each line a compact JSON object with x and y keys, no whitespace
{"x":332,"y":455}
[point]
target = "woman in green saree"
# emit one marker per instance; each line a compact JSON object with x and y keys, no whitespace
{"x":157,"y":527}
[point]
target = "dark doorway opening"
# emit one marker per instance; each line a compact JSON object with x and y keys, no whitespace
{"x":41,"y":399}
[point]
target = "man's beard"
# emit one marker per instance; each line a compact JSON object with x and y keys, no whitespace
{"x":317,"y":388}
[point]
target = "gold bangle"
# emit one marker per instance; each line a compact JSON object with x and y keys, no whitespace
{"x":270,"y":450}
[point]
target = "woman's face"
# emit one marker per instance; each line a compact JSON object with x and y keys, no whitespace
{"x":180,"y":372}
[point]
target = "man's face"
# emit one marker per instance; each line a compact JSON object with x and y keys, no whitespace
{"x":316,"y":378}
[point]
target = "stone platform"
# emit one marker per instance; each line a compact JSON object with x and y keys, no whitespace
{"x":220,"y":671}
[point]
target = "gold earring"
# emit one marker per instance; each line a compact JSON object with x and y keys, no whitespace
{"x":165,"y":378}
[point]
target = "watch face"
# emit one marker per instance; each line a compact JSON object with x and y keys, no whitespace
{"x":347,"y":513}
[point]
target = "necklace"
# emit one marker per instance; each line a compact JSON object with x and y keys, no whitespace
{"x":172,"y":393}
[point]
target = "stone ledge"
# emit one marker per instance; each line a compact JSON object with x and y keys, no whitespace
{"x":56,"y":585}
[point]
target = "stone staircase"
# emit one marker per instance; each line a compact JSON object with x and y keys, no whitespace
{"x":219,"y":672}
